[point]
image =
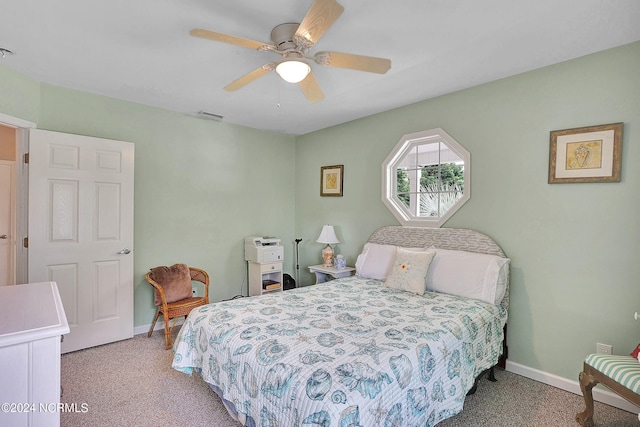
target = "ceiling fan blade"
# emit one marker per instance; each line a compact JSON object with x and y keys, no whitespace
{"x":318,"y":19}
{"x":353,"y":62}
{"x":226,"y":38}
{"x":249,"y":77}
{"x":311,"y":88}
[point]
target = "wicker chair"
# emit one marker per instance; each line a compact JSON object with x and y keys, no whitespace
{"x":177,"y":309}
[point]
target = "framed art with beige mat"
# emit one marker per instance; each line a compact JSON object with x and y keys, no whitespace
{"x":331,"y":180}
{"x":588,"y":154}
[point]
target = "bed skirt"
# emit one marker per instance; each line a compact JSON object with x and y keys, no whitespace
{"x":243,"y":419}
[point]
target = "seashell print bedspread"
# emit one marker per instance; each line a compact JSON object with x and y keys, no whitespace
{"x":346,"y":352}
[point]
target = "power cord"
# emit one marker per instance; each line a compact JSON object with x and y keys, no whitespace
{"x":244,"y":281}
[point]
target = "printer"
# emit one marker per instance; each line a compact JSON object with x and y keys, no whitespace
{"x":263,"y":249}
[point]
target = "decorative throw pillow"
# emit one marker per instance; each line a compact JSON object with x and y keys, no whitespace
{"x":636,"y":353}
{"x":409,"y":270}
{"x":468,"y":274}
{"x":375,"y":260}
{"x":175,"y":282}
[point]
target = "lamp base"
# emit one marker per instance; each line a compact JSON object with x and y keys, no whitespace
{"x":327,"y":256}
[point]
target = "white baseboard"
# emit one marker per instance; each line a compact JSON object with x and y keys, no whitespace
{"x":144,"y":329}
{"x":599,"y":394}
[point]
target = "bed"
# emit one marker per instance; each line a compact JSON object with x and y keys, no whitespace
{"x":358,"y":351}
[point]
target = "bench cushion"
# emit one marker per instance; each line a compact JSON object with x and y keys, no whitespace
{"x":625,"y":370}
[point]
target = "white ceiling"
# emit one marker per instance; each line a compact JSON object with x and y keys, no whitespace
{"x":141,"y":50}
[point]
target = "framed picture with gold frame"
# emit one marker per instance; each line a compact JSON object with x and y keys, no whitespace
{"x":588,"y":154}
{"x":331,"y":180}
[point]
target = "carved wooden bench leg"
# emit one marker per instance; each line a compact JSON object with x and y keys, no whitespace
{"x":587,"y":382}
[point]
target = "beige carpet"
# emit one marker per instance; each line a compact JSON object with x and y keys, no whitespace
{"x":130,"y":383}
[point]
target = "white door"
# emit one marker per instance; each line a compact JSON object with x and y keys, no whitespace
{"x":81,"y":231}
{"x":7,"y":223}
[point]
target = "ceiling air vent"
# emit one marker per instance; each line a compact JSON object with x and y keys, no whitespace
{"x":207,"y":115}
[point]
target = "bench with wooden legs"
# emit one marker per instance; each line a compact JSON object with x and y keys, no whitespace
{"x":620,"y":374}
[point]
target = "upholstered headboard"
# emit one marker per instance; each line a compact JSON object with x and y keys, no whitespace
{"x":458,"y":239}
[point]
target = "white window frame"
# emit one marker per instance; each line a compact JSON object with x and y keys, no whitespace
{"x":389,"y":176}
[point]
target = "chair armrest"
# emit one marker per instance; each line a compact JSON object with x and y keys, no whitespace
{"x":158,"y":287}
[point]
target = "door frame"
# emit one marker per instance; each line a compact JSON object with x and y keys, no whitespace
{"x":11,"y":231}
{"x":22,"y":193}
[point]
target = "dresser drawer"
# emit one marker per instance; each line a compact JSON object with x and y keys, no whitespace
{"x":271,"y":267}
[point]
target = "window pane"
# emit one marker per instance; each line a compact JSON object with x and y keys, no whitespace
{"x":430,"y":179}
{"x":429,"y":204}
{"x":402,"y":187}
{"x":405,"y":198}
{"x":448,"y":199}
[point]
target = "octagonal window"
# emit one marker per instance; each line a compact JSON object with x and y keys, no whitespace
{"x":426,"y":178}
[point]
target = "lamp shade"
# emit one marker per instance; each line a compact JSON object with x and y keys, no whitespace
{"x":328,"y":235}
{"x":293,"y":71}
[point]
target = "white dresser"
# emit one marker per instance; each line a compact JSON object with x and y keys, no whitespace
{"x":32,"y":321}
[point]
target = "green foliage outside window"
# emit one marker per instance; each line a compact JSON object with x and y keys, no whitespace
{"x":403,"y":186}
{"x":451,"y":175}
{"x":436,"y":195}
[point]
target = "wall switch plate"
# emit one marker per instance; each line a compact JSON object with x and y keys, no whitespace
{"x":604,"y":349}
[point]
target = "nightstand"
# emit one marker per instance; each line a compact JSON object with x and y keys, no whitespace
{"x":265,"y":277}
{"x":324,"y":274}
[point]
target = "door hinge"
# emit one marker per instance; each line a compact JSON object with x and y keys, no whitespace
{"x":25,"y":242}
{"x":26,"y":157}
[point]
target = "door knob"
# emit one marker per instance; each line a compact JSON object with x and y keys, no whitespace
{"x":4,"y":236}
{"x":125,"y":251}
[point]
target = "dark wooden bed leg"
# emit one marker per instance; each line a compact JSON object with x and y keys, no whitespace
{"x":492,"y":376}
{"x":587,"y":382}
{"x":475,"y":386}
{"x":502,"y":361}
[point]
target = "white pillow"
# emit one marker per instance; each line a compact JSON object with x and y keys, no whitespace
{"x":468,"y":274}
{"x":375,"y":261}
{"x":409,"y":270}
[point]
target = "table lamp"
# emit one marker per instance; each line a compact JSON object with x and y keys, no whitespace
{"x":328,"y":236}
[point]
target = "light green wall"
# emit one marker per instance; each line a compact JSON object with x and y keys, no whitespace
{"x":19,"y":95}
{"x":201,"y":186}
{"x":574,"y":247}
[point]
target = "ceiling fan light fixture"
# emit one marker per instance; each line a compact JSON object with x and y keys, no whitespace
{"x":293,"y":70}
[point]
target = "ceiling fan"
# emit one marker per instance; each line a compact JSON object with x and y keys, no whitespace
{"x":293,"y":42}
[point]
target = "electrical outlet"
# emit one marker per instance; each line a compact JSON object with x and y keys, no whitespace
{"x":604,"y":349}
